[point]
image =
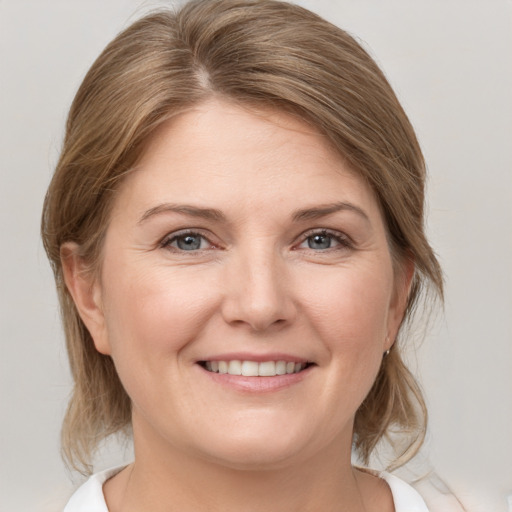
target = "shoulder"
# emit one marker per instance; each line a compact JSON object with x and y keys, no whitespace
{"x":426,"y":494}
{"x":405,"y":497}
{"x":89,"y":497}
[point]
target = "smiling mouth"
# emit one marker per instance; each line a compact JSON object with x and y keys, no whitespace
{"x":254,"y":368}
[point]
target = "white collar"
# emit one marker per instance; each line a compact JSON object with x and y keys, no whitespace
{"x":89,"y":497}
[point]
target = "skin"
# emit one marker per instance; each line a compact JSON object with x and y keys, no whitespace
{"x":259,"y":283}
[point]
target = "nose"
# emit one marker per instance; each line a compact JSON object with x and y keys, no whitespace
{"x":258,"y":291}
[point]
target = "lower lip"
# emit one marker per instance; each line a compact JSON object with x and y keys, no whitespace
{"x":257,"y":384}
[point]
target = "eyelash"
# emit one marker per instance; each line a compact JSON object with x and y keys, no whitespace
{"x":342,"y":239}
{"x":168,"y":240}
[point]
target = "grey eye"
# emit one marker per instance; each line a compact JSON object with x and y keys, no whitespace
{"x":320,"y":241}
{"x":188,"y":242}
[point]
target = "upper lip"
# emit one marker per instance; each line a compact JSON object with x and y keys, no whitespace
{"x":259,"y":358}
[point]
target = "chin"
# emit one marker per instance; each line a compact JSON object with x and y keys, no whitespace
{"x":253,"y":455}
{"x":264,"y":447}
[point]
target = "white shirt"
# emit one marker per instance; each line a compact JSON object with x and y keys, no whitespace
{"x":89,"y":497}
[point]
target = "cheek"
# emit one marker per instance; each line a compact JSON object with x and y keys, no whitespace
{"x":351,"y":316}
{"x":351,"y":307}
{"x":154,"y":314}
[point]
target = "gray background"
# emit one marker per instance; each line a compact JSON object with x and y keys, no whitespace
{"x":450,"y":63}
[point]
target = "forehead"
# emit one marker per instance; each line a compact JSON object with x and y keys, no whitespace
{"x":231,"y":155}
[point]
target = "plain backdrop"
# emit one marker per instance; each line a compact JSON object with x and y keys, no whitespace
{"x":450,"y":64}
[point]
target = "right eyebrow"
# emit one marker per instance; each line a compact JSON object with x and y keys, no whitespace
{"x":183,"y":209}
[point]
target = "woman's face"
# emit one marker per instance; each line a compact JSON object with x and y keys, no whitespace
{"x":243,"y":243}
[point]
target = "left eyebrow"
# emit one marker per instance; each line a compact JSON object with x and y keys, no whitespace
{"x":327,"y":209}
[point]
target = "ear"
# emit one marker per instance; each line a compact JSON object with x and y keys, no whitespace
{"x":403,"y":282}
{"x":85,"y":290}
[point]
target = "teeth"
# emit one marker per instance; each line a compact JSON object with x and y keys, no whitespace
{"x":267,"y":369}
{"x":235,"y":367}
{"x":253,"y":368}
{"x":250,"y":368}
{"x":281,"y":367}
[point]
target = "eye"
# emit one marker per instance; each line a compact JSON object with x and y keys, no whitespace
{"x":187,"y":241}
{"x":319,"y":241}
{"x":324,"y":240}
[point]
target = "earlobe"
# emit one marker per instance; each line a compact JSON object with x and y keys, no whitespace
{"x":85,"y":290}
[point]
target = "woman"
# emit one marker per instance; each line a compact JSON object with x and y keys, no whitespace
{"x":236,"y":230}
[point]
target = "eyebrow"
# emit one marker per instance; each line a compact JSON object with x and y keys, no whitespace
{"x":184,"y":209}
{"x":327,"y":209}
{"x":316,"y":212}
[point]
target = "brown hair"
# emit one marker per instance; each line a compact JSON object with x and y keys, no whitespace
{"x":261,"y":53}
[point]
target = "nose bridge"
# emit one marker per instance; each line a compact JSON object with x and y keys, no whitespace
{"x":258,"y":292}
